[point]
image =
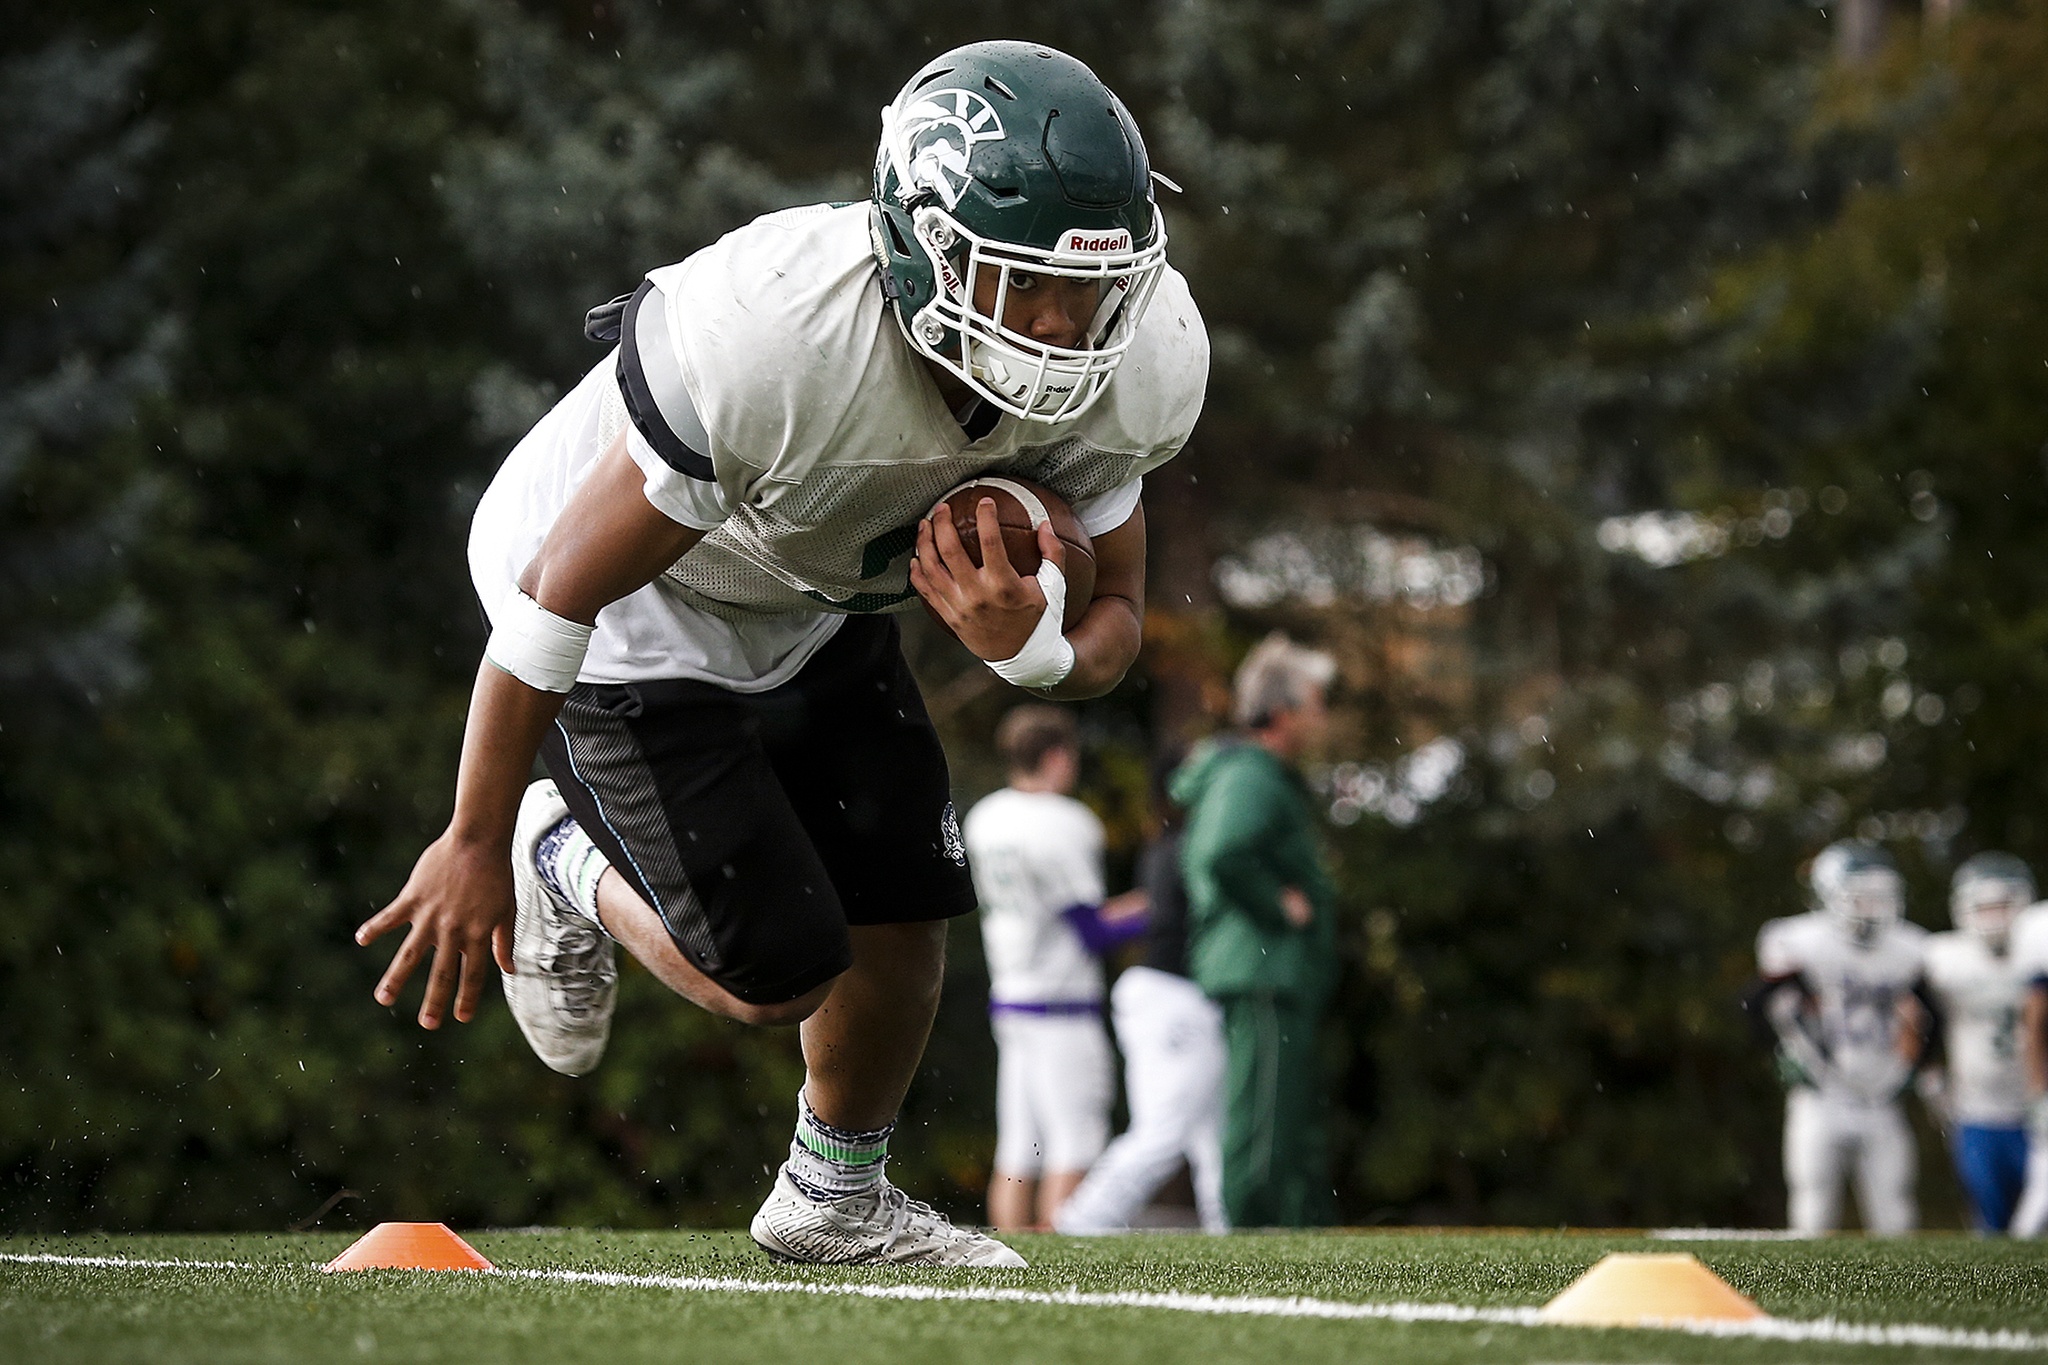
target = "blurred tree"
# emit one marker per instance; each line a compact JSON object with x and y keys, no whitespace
{"x":78,"y":350}
{"x":82,"y":341}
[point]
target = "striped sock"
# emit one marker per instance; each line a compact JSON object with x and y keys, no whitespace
{"x":571,"y":865}
{"x":828,"y":1163}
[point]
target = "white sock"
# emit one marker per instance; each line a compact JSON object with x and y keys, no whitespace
{"x":829,"y":1163}
{"x":572,"y":866}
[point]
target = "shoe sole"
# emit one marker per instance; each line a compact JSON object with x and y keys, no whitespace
{"x":777,"y":1254}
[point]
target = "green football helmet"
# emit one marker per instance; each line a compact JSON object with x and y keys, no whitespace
{"x":1000,"y":162}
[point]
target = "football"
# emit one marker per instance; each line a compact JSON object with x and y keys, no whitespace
{"x":1020,"y":539}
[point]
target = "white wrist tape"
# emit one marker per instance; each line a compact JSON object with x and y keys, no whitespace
{"x":1046,"y":658}
{"x":541,"y":649}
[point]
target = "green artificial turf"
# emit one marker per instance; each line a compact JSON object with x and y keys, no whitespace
{"x":285,"y":1310}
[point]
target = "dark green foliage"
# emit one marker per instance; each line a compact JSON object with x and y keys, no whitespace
{"x":81,"y":343}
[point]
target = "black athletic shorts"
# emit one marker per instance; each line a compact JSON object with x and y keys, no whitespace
{"x":761,"y":825}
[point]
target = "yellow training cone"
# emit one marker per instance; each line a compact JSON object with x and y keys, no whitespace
{"x":1628,"y":1289}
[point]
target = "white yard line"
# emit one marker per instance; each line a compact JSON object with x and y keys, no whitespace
{"x":1215,"y":1305}
{"x":122,"y":1262}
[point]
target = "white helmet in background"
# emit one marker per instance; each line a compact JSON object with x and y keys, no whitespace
{"x":1987,"y":894}
{"x":1856,"y":883}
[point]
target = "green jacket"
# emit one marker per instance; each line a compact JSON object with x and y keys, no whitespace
{"x":1251,"y":831}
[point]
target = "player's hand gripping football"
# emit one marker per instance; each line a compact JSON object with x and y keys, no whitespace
{"x":991,"y":607}
{"x":459,"y":904}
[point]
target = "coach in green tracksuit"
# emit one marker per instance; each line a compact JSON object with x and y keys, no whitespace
{"x":1262,"y":933}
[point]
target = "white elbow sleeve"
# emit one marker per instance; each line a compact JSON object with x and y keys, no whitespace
{"x":541,"y":649}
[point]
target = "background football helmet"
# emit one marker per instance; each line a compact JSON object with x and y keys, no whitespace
{"x":1003,"y":159}
{"x":1856,"y":883}
{"x":1987,"y":893}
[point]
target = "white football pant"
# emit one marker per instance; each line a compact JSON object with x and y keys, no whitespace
{"x":1172,"y":1040}
{"x":1829,"y":1137}
{"x":1055,"y":1083}
{"x":2030,"y":1219}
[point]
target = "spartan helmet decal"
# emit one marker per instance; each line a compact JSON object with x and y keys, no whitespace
{"x":938,"y":134}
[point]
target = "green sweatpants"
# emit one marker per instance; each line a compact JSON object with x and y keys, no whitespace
{"x":1276,"y":1164}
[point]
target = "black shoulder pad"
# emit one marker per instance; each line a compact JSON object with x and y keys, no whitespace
{"x":651,"y":382}
{"x":602,"y":322}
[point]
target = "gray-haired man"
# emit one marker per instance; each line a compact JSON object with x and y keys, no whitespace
{"x":1262,"y":932}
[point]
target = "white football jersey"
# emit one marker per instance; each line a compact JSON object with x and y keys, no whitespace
{"x":1033,"y":854}
{"x":2030,"y":944}
{"x":1857,"y":989}
{"x":771,"y":401}
{"x":1979,"y":994}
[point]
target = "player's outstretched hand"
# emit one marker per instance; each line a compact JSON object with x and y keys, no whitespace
{"x":459,"y":904}
{"x":991,"y":607}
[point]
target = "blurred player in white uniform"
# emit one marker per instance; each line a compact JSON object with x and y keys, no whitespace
{"x":1175,"y":1056}
{"x":2030,"y":959}
{"x":684,"y":561}
{"x":1975,"y":985}
{"x":1837,"y":990}
{"x":1036,"y":854}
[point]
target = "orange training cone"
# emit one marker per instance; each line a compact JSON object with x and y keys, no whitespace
{"x":1626,"y":1289}
{"x":410,"y":1246}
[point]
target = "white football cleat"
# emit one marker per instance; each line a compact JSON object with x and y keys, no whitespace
{"x":882,"y":1226}
{"x":567,"y":978}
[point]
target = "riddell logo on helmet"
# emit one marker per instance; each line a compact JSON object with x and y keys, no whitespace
{"x":1078,"y":242}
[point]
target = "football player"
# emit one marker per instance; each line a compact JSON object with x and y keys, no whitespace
{"x":2030,"y":958}
{"x":1976,"y":988}
{"x":683,"y":564}
{"x":1836,"y":987}
{"x":1037,"y":859}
